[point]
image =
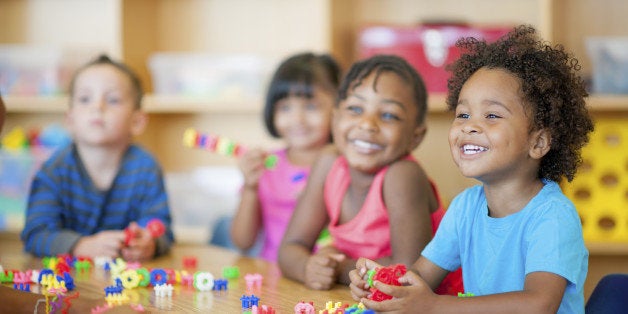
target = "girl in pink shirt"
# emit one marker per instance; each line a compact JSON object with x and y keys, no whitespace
{"x":298,"y":110}
{"x":375,"y":199}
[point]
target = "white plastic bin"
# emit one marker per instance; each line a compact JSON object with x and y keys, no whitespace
{"x":214,"y":76}
{"x":39,"y":70}
{"x":609,"y":57}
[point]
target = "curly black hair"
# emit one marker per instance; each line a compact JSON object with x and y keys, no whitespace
{"x":296,"y":76}
{"x":551,"y":87}
{"x":136,"y":84}
{"x":386,"y":63}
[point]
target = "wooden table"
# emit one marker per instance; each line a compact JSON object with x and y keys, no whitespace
{"x":278,"y":292}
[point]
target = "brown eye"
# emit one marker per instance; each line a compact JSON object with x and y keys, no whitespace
{"x":386,"y":116}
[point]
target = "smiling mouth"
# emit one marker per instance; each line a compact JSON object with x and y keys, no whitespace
{"x":97,"y":123}
{"x":299,"y":132}
{"x":366,"y":145}
{"x":469,"y":149}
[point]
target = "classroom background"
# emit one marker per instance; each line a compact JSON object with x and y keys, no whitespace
{"x":205,"y":64}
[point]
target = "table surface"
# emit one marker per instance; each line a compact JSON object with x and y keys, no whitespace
{"x":278,"y":292}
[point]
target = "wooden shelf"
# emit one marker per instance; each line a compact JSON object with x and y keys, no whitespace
{"x":35,"y":104}
{"x":600,"y":103}
{"x":182,"y":104}
{"x":607,"y":248}
{"x":169,"y":104}
{"x":152,"y":104}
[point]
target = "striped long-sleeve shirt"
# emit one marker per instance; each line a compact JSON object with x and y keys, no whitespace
{"x":64,"y":204}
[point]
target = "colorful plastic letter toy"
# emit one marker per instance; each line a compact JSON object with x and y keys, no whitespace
{"x":221,"y":145}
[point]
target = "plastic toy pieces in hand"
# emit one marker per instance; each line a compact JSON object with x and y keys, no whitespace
{"x":154,"y":226}
{"x":221,"y":145}
{"x":388,"y":275}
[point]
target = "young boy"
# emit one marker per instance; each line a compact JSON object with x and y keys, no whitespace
{"x":89,"y":192}
{"x":520,"y":123}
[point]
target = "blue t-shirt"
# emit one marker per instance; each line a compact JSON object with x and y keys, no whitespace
{"x":497,"y":253}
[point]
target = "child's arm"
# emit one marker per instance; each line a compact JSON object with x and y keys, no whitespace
{"x":43,"y":223}
{"x":248,"y":219}
{"x":43,"y":233}
{"x":309,"y":218}
{"x":154,"y":206}
{"x":410,"y":200}
{"x":542,"y":293}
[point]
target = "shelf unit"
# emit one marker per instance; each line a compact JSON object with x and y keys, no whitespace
{"x":179,"y":104}
{"x":134,"y":29}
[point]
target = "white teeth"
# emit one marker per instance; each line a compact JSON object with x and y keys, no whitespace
{"x":365,"y":145}
{"x":473,"y":149}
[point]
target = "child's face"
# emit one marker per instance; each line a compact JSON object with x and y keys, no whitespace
{"x":102,"y":110}
{"x":305,"y":123}
{"x":374,"y":127}
{"x":490,"y":137}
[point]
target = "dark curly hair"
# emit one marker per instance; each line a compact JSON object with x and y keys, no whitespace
{"x":551,"y":87}
{"x":386,"y":63}
{"x":136,"y":84}
{"x":296,"y":76}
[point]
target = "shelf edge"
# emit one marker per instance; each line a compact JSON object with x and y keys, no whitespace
{"x":607,"y":102}
{"x":183,"y":104}
{"x":607,"y":248}
{"x":35,"y":104}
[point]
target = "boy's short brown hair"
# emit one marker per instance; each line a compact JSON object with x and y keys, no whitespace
{"x":104,"y":59}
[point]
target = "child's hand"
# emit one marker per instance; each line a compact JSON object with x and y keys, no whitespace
{"x":105,"y":243}
{"x":413,"y":296}
{"x":251,"y":163}
{"x":359,"y":285}
{"x":141,"y":247}
{"x":321,"y":270}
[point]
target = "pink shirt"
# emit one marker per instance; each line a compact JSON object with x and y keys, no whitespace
{"x":368,"y":233}
{"x":278,"y":191}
